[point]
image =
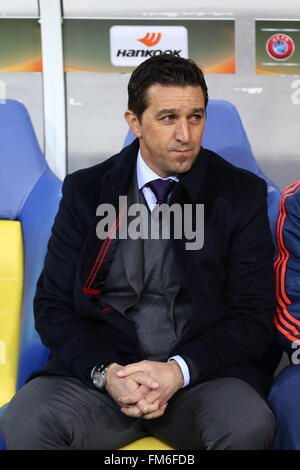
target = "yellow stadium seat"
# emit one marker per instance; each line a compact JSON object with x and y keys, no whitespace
{"x":147,"y":443}
{"x":11,"y":290}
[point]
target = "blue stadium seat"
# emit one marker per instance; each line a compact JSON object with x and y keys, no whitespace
{"x":29,"y":193}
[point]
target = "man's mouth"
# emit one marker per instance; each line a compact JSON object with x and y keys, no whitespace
{"x":181,"y":150}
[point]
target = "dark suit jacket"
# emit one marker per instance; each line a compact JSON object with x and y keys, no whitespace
{"x":230,"y":280}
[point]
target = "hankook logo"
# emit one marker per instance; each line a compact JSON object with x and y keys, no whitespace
{"x":150,"y":39}
{"x":131,"y":45}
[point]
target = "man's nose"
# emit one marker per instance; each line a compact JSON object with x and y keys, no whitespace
{"x":182,"y":132}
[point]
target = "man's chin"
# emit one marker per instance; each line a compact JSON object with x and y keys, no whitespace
{"x":183,"y":160}
{"x":184,"y":166}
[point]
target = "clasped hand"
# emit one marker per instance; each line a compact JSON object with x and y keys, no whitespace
{"x":142,"y":389}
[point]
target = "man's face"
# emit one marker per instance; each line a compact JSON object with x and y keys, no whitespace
{"x":171,"y":128}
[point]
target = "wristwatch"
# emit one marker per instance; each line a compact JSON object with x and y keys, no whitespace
{"x":99,"y":376}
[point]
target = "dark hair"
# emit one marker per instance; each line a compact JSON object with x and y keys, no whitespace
{"x":165,"y":69}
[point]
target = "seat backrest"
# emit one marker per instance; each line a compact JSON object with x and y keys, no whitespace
{"x":22,"y":162}
{"x":225,"y":134}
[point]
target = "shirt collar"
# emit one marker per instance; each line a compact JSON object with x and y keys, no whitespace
{"x":145,"y":174}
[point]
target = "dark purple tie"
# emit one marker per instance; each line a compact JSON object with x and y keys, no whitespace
{"x":161,"y":189}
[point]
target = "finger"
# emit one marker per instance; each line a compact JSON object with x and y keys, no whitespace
{"x":131,"y":411}
{"x":144,"y":379}
{"x":146,"y":407}
{"x":130,"y":369}
{"x":135,"y":396}
{"x":154,"y":395}
{"x":156,"y":414}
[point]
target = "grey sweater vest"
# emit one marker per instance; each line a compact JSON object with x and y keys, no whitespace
{"x":152,"y":294}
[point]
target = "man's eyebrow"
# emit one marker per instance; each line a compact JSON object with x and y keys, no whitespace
{"x":199,"y":110}
{"x":165,"y":111}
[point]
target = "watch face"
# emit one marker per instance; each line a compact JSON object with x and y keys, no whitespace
{"x":98,"y":379}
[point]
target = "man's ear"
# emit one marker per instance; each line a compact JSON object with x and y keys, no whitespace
{"x":133,"y":122}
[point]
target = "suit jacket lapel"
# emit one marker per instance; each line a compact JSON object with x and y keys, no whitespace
{"x":97,"y":254}
{"x":132,"y":251}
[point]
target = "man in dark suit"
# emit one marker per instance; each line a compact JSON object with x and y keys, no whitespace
{"x":152,"y":335}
